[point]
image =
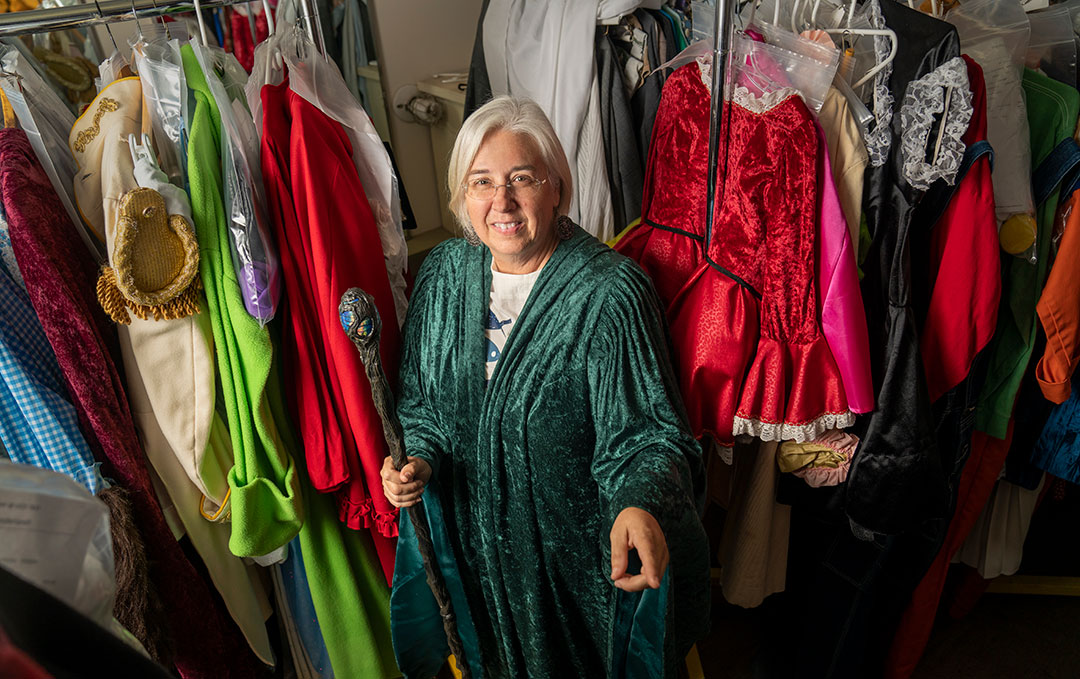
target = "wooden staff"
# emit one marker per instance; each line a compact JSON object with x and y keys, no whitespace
{"x":362,"y":324}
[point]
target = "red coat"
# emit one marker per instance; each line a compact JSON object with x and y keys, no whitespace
{"x":329,"y":242}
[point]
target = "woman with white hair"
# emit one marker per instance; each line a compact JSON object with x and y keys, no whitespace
{"x":545,"y":433}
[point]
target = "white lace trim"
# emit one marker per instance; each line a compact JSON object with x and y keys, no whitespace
{"x":879,"y":140}
{"x":925,"y":98}
{"x":742,"y":96}
{"x":800,"y":433}
{"x":727,"y":453}
{"x":764,"y":103}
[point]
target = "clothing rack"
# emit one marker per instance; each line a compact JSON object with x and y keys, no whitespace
{"x":723,"y":36}
{"x":92,"y":14}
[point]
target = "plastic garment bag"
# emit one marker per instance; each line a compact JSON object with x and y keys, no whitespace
{"x":164,"y":93}
{"x":996,"y":35}
{"x":789,"y":60}
{"x":319,"y":82}
{"x":55,"y":534}
{"x":1052,"y":48}
{"x":253,"y":252}
{"x":785,"y":60}
{"x":46,"y":119}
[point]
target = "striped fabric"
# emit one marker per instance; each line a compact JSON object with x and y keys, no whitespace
{"x":38,"y":425}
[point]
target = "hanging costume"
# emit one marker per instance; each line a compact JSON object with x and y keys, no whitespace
{"x":60,"y":281}
{"x":1052,"y":111}
{"x":741,"y":301}
{"x":329,"y":242}
{"x":167,"y":352}
{"x":530,"y":472}
{"x":896,"y":480}
{"x":263,"y":481}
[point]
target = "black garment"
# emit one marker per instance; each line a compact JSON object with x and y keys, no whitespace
{"x":852,"y":592}
{"x":896,"y":480}
{"x":63,"y":641}
{"x":625,"y":164}
{"x":671,"y":44}
{"x":408,"y":219}
{"x":478,"y":89}
{"x":646,"y":100}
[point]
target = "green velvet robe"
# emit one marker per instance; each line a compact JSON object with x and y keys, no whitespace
{"x":580,"y":420}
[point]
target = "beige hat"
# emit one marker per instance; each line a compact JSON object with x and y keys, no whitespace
{"x":155,"y":262}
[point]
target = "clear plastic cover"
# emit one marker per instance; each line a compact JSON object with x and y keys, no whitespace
{"x":319,"y":82}
{"x":996,"y":35}
{"x":47,"y":121}
{"x":254,"y":256}
{"x":164,"y":93}
{"x":55,"y":534}
{"x":785,"y":57}
{"x":1052,"y":48}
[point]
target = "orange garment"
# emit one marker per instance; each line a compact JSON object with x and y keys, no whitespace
{"x":17,"y":5}
{"x":1059,"y":310}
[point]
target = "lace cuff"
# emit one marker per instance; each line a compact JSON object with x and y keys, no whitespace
{"x":925,"y":99}
{"x":879,"y":139}
{"x":786,"y":431}
{"x":792,"y":392}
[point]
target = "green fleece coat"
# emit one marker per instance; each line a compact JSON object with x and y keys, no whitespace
{"x":267,"y":509}
{"x":580,"y":420}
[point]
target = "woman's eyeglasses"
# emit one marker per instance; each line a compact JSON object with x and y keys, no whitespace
{"x":519,"y":184}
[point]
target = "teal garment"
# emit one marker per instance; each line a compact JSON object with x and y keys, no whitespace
{"x":677,"y":26}
{"x":580,"y":420}
{"x":264,"y":489}
{"x":1052,"y":111}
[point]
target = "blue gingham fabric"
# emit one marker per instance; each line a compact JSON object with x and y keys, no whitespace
{"x":38,"y":425}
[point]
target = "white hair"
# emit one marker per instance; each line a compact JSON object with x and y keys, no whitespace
{"x":512,"y":114}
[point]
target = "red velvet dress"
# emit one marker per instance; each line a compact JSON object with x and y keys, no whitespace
{"x":749,"y":351}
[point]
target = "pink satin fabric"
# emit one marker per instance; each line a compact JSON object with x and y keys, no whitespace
{"x":840,"y":306}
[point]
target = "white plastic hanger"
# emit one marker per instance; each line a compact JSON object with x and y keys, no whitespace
{"x":269,"y":17}
{"x":888,"y":32}
{"x":891,"y":34}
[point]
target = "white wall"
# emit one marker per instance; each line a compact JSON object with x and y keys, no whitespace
{"x":416,"y":39}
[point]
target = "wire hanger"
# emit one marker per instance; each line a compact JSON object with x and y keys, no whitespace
{"x":101,"y":15}
{"x":164,"y":24}
{"x":138,"y":25}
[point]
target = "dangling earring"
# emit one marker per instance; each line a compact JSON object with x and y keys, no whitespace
{"x":470,"y":236}
{"x":564,"y":227}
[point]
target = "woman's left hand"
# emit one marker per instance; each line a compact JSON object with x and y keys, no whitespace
{"x":635,"y":528}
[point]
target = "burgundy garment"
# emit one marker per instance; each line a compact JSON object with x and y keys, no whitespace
{"x":329,"y":243}
{"x":60,"y":280}
{"x":976,"y":485}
